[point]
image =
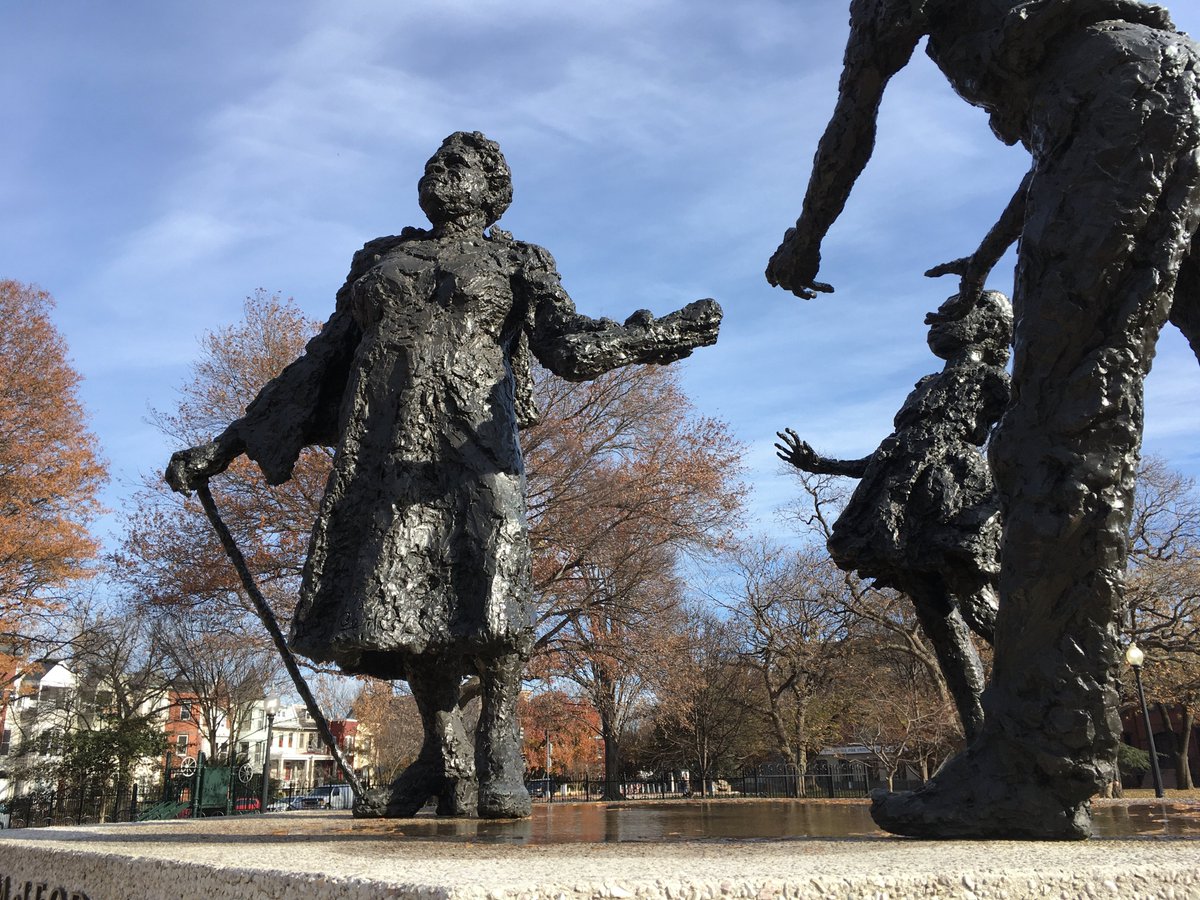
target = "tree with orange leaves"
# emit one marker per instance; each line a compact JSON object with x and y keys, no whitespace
{"x":571,"y":727}
{"x":50,"y":469}
{"x":624,"y":478}
{"x":170,"y":556}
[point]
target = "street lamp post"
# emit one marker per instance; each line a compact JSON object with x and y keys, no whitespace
{"x":271,"y":707}
{"x":1135,"y":657}
{"x":549,"y":786}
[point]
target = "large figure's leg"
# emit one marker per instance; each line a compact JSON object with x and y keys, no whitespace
{"x":979,"y":608}
{"x":1185,"y":311}
{"x":956,"y":653}
{"x":498,"y":759}
{"x":1112,"y":208}
{"x":444,"y":768}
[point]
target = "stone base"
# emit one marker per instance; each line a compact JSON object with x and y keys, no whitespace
{"x":331,"y":855}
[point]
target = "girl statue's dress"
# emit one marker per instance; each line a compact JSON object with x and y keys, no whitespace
{"x":924,"y":518}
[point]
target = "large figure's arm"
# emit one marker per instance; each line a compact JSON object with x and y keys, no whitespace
{"x":883,"y":35}
{"x":579,"y":348}
{"x":296,"y":409}
{"x":801,"y":455}
{"x":973,"y":270}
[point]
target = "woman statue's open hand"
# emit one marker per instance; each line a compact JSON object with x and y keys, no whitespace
{"x":795,"y":451}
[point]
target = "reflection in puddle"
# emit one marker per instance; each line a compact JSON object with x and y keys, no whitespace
{"x":1147,"y":820}
{"x":567,"y":823}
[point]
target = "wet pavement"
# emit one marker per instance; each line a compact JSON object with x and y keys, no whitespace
{"x":599,"y":823}
{"x":641,"y":850}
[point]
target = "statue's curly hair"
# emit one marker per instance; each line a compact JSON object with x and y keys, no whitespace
{"x":986,"y":328}
{"x":499,"y":176}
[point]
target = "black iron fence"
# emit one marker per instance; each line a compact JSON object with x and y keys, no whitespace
{"x":852,"y":780}
{"x":68,"y":806}
{"x":178,"y":792}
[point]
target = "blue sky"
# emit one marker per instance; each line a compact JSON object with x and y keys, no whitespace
{"x":163,"y":160}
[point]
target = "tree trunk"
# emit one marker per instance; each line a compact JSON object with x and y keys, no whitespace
{"x":612,"y":763}
{"x":1164,"y":716}
{"x":802,"y":754}
{"x":1183,"y":769}
{"x":783,"y":741}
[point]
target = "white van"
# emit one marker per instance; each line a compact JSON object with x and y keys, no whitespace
{"x":327,"y":796}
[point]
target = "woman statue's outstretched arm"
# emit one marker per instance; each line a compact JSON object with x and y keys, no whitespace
{"x":801,"y":455}
{"x":578,"y":348}
{"x":973,"y":270}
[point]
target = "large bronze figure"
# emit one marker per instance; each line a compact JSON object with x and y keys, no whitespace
{"x":1105,"y":94}
{"x":925,"y":518}
{"x":419,"y":565}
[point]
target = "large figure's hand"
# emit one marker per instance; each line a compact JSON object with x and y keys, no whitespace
{"x":192,"y":467}
{"x":972,"y":273}
{"x":697,"y":323}
{"x":794,"y":266}
{"x":795,"y":451}
{"x":676,"y":334}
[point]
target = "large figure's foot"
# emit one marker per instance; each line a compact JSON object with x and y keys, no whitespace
{"x":372,"y":804}
{"x":405,"y":796}
{"x":504,"y":801}
{"x":459,"y":797}
{"x":977,"y":796}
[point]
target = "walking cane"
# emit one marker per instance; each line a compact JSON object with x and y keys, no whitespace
{"x":268,"y":619}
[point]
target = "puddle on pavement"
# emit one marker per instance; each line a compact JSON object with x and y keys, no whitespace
{"x":568,"y":823}
{"x":1147,"y":820}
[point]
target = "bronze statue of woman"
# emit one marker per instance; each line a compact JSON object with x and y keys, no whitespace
{"x":1104,"y":95}
{"x":419,"y":563}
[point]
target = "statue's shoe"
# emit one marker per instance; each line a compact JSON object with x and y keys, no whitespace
{"x":504,"y":801}
{"x":404,"y":797}
{"x":458,"y":797}
{"x":976,"y":796}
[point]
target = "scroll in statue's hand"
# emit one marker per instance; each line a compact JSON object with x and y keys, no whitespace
{"x":794,"y":267}
{"x":696,"y":324}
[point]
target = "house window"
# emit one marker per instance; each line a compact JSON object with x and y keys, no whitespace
{"x":5,"y":740}
{"x":185,"y":712}
{"x":181,"y":744}
{"x":55,"y":696}
{"x":50,"y":741}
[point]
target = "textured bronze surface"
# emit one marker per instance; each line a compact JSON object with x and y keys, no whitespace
{"x":419,"y":562}
{"x":1103,"y":94}
{"x":925,"y":518}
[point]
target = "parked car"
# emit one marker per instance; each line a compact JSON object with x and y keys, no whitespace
{"x":541,"y":788}
{"x":327,"y":796}
{"x":242,"y":805}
